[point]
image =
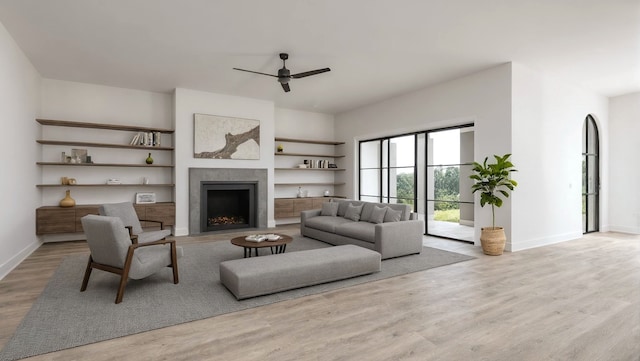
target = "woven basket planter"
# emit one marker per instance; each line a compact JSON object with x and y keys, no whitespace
{"x":493,"y":240}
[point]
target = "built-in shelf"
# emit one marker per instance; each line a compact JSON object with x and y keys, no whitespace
{"x":329,"y":169}
{"x":307,"y":141}
{"x":100,"y":145}
{"x":105,"y":165}
{"x":309,"y":155}
{"x":311,"y":184}
{"x":104,"y":185}
{"x":65,"y":123}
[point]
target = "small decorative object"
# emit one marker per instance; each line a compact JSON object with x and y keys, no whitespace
{"x":67,"y":201}
{"x":280,"y":148}
{"x":80,"y":155}
{"x":89,"y":159}
{"x":326,"y":193}
{"x":299,"y":194}
{"x":145,"y":180}
{"x":71,"y":181}
{"x":493,"y":180}
{"x":63,"y":158}
{"x":145,"y":197}
{"x":64,"y":180}
{"x":113,"y":181}
{"x":332,"y":165}
{"x":149,"y":160}
{"x":302,"y":166}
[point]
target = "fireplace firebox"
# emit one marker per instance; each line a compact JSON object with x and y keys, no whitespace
{"x":227,"y":205}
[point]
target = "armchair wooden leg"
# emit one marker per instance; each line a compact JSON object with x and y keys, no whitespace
{"x":125,"y":275}
{"x":87,"y":274}
{"x":174,"y":263}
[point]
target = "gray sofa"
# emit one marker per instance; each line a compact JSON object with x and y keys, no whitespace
{"x":382,"y":227}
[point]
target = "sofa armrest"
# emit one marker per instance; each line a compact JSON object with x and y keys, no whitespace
{"x":304,"y":215}
{"x":393,"y":239}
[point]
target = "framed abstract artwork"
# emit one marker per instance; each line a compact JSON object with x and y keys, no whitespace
{"x":219,"y":137}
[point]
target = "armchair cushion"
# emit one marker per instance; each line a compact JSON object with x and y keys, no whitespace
{"x":125,"y":212}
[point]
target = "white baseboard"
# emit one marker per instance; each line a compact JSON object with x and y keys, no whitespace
{"x":18,"y":258}
{"x":183,"y":231}
{"x":622,"y":229}
{"x":539,"y":242}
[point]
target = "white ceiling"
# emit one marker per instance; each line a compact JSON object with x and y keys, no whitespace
{"x":376,"y":49}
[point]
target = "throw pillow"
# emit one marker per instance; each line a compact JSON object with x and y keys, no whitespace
{"x":329,"y":209}
{"x":377,"y":215}
{"x":353,"y":212}
{"x":392,"y":215}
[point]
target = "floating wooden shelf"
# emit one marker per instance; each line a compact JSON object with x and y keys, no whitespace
{"x":324,"y":169}
{"x":307,"y":141}
{"x":105,"y":165}
{"x":311,"y":184}
{"x":65,"y":123}
{"x":309,"y":155}
{"x":103,"y":185}
{"x":100,"y":145}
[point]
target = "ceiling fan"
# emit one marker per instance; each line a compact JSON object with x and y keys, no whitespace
{"x":284,"y":75}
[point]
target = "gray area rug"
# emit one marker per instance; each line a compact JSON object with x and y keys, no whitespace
{"x":63,"y":317}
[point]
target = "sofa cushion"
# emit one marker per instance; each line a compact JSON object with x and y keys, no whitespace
{"x":343,"y":204}
{"x":325,"y":223}
{"x":377,"y":214}
{"x":329,"y":209}
{"x":363,"y":231}
{"x":353,"y":212}
{"x":392,"y":215}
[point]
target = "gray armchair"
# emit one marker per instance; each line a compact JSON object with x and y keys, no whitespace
{"x":129,"y":217}
{"x":113,"y":251}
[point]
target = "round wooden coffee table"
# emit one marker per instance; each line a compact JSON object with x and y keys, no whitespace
{"x":277,"y":246}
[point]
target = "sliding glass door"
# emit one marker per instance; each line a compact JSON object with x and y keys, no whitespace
{"x":449,"y":199}
{"x":428,"y":170}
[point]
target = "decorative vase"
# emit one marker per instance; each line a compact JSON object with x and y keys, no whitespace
{"x":67,"y":201}
{"x":149,"y":159}
{"x":493,"y":240}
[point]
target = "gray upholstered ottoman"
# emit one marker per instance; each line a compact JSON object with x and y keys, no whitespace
{"x":256,"y":276}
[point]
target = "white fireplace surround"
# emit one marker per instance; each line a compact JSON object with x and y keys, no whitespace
{"x":198,"y":175}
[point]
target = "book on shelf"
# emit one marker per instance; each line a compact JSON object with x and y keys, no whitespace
{"x":146,"y":139}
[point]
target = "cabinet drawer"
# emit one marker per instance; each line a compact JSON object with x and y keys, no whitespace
{"x":55,"y":220}
{"x":317,"y":202}
{"x":161,"y":212}
{"x":283,"y":208}
{"x":302,"y":204}
{"x":82,"y":211}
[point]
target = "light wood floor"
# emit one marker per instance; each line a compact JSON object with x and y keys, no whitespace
{"x":578,"y":300}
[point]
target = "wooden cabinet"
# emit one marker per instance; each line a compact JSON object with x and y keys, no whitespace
{"x":291,"y":207}
{"x":54,"y":219}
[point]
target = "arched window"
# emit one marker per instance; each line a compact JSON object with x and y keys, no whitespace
{"x":590,"y":176}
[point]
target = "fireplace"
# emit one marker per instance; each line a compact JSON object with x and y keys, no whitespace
{"x":227,"y":205}
{"x":220,"y":176}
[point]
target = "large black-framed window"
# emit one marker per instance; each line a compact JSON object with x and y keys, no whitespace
{"x":400,"y":169}
{"x":590,"y":176}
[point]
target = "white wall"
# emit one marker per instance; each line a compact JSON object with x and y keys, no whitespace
{"x":188,"y":102}
{"x":547,"y":147}
{"x":72,"y":101}
{"x":19,"y":91}
{"x":624,"y":201}
{"x":483,"y":98}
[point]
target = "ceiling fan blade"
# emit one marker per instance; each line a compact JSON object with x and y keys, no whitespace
{"x":308,"y":73}
{"x":256,"y":72}
{"x":286,"y":88}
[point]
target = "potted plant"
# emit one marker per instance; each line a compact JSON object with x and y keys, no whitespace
{"x":493,"y":181}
